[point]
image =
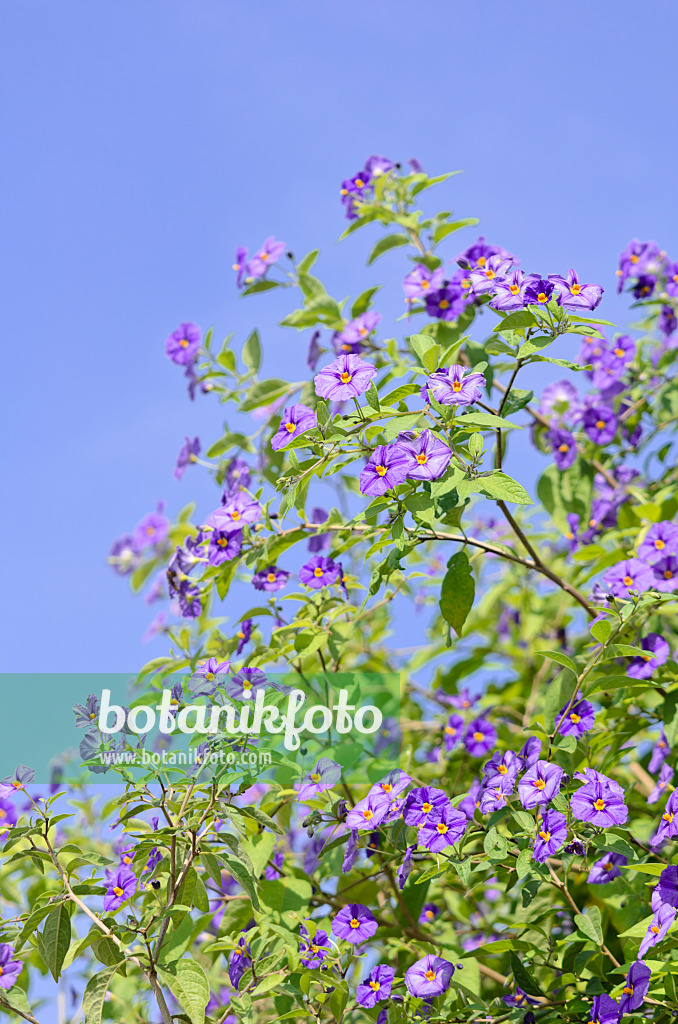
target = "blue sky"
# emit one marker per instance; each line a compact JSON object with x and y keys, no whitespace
{"x":144,"y":141}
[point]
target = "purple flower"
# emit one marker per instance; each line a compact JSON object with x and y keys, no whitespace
{"x":550,"y":836}
{"x":665,"y":776}
{"x":314,"y":352}
{"x":122,"y":884}
{"x":223,"y":547}
{"x":208,"y":677}
{"x":376,"y":165}
{"x":635,"y":988}
{"x":392,"y":785}
{"x":520,"y":999}
{"x":604,"y":1010}
{"x":324,"y":775}
{"x":453,"y":387}
{"x":270,"y":579}
{"x":240,"y":265}
{"x":564,"y":447}
{"x":427,"y":456}
{"x":239,"y":510}
{"x":8,"y":814}
{"x":358,"y":331}
{"x":643,"y":666}
{"x":509,"y":292}
{"x":667,"y":321}
{"x":429,"y":977}
{"x":574,"y":295}
{"x":124,"y":555}
{"x":403,"y":871}
{"x":153,"y":529}
{"x":600,"y":801}
{"x":429,"y":912}
{"x":637,"y":258}
{"x":530,"y":751}
{"x":420,"y":281}
{"x":453,"y":731}
{"x":245,"y":683}
{"x":190,"y":604}
{"x":443,"y":828}
{"x":538,"y":292}
{"x":480,"y":737}
{"x":295,"y":420}
{"x":238,"y":962}
{"x":369,"y":811}
{"x":376,"y":987}
{"x":462,"y":700}
{"x":478,"y":254}
{"x":502,"y":768}
{"x":318,"y":541}
{"x":9,"y":969}
{"x":539,"y":784}
{"x":313,"y":951}
{"x":355,"y":923}
{"x":319,"y":571}
{"x":606,"y":868}
{"x":657,"y":930}
{"x":559,"y":400}
{"x":631,"y":574}
{"x":188,"y":454}
{"x":270,"y":253}
{"x":660,"y":752}
{"x":495,"y":797}
{"x":667,"y":886}
{"x":422,"y":803}
{"x":386,"y":468}
{"x":182,"y":345}
{"x":486,"y":278}
{"x":660,"y":541}
{"x":665,"y":574}
{"x":348,"y":376}
{"x":600,"y":424}
{"x":243,"y":634}
{"x":578,"y":719}
{"x":445,"y":303}
{"x":84,"y":716}
{"x":644,"y":286}
{"x":237,"y":478}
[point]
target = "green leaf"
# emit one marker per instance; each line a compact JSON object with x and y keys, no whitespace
{"x":561,"y":658}
{"x":188,"y":983}
{"x":265,"y":392}
{"x":386,"y":243}
{"x":486,"y":420}
{"x":514,"y":321}
{"x":95,"y":993}
{"x":523,"y":978}
{"x":622,"y":651}
{"x":339,"y":999}
{"x":372,"y":397}
{"x":458,"y":591}
{"x":362,"y":303}
{"x":504,"y":488}
{"x":601,"y":630}
{"x":426,"y":350}
{"x":307,"y":262}
{"x":590,"y":925}
{"x":56,"y":938}
{"x":271,"y":982}
{"x":31,"y":924}
{"x":251,"y":352}
{"x":443,"y":230}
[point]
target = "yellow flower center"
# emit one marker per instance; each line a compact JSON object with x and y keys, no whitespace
{"x":627,"y":581}
{"x":607,"y":866}
{"x":184,"y":342}
{"x":317,"y":572}
{"x":117,"y":890}
{"x":430,"y":915}
{"x":362,"y":331}
{"x":654,"y":929}
{"x":422,"y":459}
{"x":368,"y":814}
{"x":345,"y":378}
{"x":514,"y":289}
{"x":430,"y":975}
{"x":315,"y":777}
{"x":387,"y":787}
{"x":444,"y":304}
{"x":502,"y":769}
{"x":542,"y":297}
{"x":575,"y":289}
{"x":441,"y":827}
{"x":359,"y":182}
{"x":619,"y":352}
{"x":563,"y":448}
{"x":482,"y":261}
{"x":222,"y":542}
{"x":575,"y":719}
{"x":375,"y":986}
{"x":668,"y":575}
{"x":450,"y":730}
{"x":668,"y":817}
{"x":489,"y":274}
{"x":599,"y":805}
{"x":425,"y":285}
{"x":456,"y":385}
{"x":381,"y":470}
{"x":479,"y":737}
{"x":235,"y":515}
{"x":632,"y":259}
{"x":465,"y":283}
{"x":290,"y":427}
{"x":240,"y":635}
{"x":426,"y":807}
{"x":354,"y":922}
{"x":628,"y":990}
{"x":600,"y":424}
{"x":659,"y":544}
{"x":545,"y":836}
{"x":271,"y":577}
{"x":538,"y":783}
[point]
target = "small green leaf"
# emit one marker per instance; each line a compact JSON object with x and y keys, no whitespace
{"x":504,"y":488}
{"x":95,"y":993}
{"x":372,"y":397}
{"x":251,"y":352}
{"x":514,"y":321}
{"x":188,"y":983}
{"x":590,"y":925}
{"x":458,"y":592}
{"x":386,"y":243}
{"x":523,"y":978}
{"x":561,"y":658}
{"x":56,"y":937}
{"x":601,"y":630}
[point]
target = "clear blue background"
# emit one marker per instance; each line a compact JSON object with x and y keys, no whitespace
{"x":143,"y":141}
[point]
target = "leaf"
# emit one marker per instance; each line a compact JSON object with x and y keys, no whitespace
{"x":372,"y":397}
{"x":188,"y":983}
{"x":443,"y":230}
{"x":601,"y":630}
{"x":251,"y":353}
{"x":522,"y":976}
{"x":487,"y":420}
{"x":562,"y":659}
{"x":386,"y":243}
{"x":517,"y":320}
{"x":458,"y":591}
{"x":622,"y":651}
{"x":95,"y":993}
{"x":426,"y":350}
{"x":504,"y":488}
{"x":56,"y":938}
{"x":307,"y":262}
{"x":590,"y":925}
{"x":339,"y":999}
{"x":266,"y":984}
{"x":31,"y":924}
{"x":265,"y":392}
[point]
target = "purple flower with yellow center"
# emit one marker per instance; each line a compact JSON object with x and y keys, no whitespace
{"x":630,"y":575}
{"x":420,"y":281}
{"x":606,"y":868}
{"x":480,"y":738}
{"x":576,"y":720}
{"x":442,"y":829}
{"x":190,"y":604}
{"x":539,"y":784}
{"x":314,"y":950}
{"x":182,"y":345}
{"x":122,"y":884}
{"x":237,"y":478}
{"x":243,"y":635}
{"x":455,"y":386}
{"x":644,"y":286}
{"x":238,"y":962}
{"x":319,"y":571}
{"x":559,"y":400}
{"x":386,"y":468}
{"x":153,"y":529}
{"x":270,"y":579}
{"x":124,"y":555}
{"x":358,"y":331}
{"x":240,"y":510}
{"x":564,"y":447}
{"x":637,"y":258}
{"x":665,"y":574}
{"x":660,"y":752}
{"x":539,"y":292}
{"x":244,"y":684}
{"x":493,"y":798}
{"x":607,"y":371}
{"x":550,"y":835}
{"x":445,"y":303}
{"x":667,"y":887}
{"x":84,"y":716}
{"x":208,"y":677}
{"x":660,"y":541}
{"x":392,"y":785}
{"x":369,"y":811}
{"x":377,"y":165}
{"x":530,"y":751}
{"x":295,"y":420}
{"x":223,"y":547}
{"x":573,"y":294}
{"x":501,"y":769}
{"x":427,"y":456}
{"x":355,"y":923}
{"x":658,"y":928}
{"x":376,"y":987}
{"x":600,"y":424}
{"x":325,"y":774}
{"x":240,"y":265}
{"x":423,"y":803}
{"x":485,"y":279}
{"x":10,"y":969}
{"x":188,"y":454}
{"x":348,"y":376}
{"x":8,"y":814}
{"x":270,"y":253}
{"x":509,"y":292}
{"x":478,"y":254}
{"x":462,"y":700}
{"x":429,"y":912}
{"x":599,"y":801}
{"x":604,"y":1010}
{"x":665,"y":776}
{"x":635,"y":988}
{"x":429,"y":977}
{"x":520,"y":999}
{"x":453,"y":731}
